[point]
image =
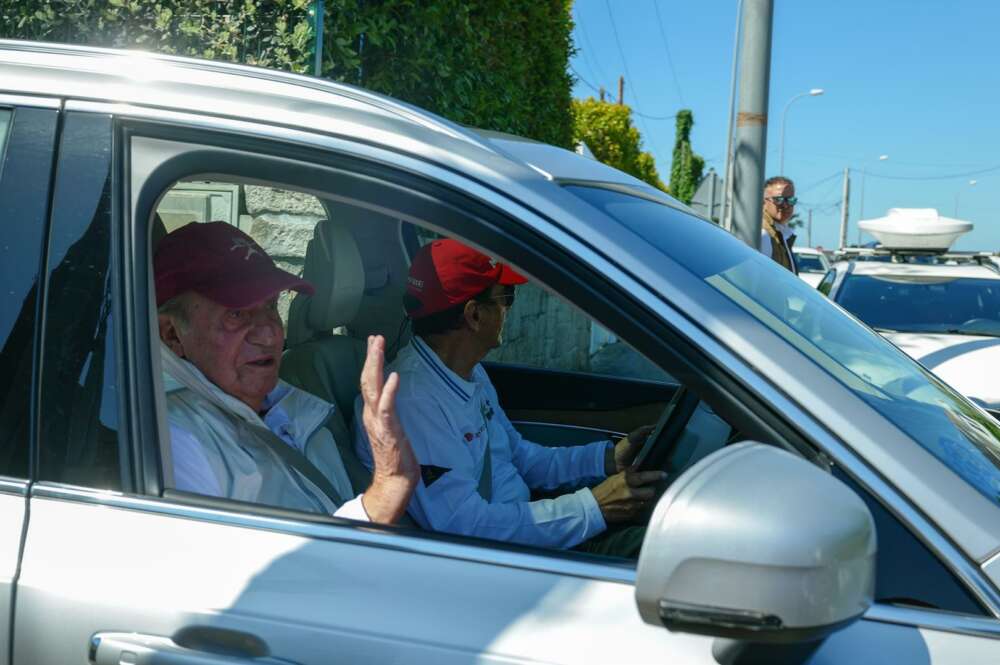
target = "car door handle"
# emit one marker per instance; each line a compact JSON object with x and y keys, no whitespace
{"x":195,"y":645}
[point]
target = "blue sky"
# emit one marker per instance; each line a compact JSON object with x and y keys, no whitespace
{"x":916,"y":80}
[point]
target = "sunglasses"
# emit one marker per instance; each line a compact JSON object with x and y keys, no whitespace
{"x":507,"y":299}
{"x":783,"y":200}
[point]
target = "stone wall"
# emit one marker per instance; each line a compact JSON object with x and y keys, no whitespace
{"x":541,"y":329}
{"x":282,"y":223}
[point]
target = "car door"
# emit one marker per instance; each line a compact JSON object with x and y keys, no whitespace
{"x":27,"y":143}
{"x":116,"y":570}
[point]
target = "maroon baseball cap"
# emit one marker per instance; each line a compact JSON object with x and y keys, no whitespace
{"x":220,"y":262}
{"x":445,"y":273}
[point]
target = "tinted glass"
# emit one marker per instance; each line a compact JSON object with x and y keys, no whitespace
{"x":29,"y":135}
{"x":827,"y":282}
{"x":917,"y":402}
{"x":906,"y":572}
{"x":79,"y":400}
{"x":930,"y":304}
{"x":809,"y":263}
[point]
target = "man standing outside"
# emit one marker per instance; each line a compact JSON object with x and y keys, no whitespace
{"x":477,"y":471}
{"x":237,"y":431}
{"x":776,"y":236}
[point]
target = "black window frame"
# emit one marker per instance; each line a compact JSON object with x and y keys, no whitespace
{"x":83,"y":134}
{"x":37,"y":127}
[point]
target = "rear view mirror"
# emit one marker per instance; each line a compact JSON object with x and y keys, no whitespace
{"x":753,"y":543}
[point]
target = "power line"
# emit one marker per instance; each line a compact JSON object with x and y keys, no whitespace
{"x":596,"y":69}
{"x":950,"y":176}
{"x":585,"y":81}
{"x":634,"y":111}
{"x":820,"y":182}
{"x":654,"y":117}
{"x":663,"y":35}
{"x":621,"y":52}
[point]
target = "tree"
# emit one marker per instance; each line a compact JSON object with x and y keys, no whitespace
{"x":686,"y":168}
{"x":608,"y":131}
{"x":493,"y":64}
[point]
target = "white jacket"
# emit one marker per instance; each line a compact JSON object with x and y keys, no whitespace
{"x":218,"y":448}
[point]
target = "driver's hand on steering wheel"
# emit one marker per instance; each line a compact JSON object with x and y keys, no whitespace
{"x":625,"y":449}
{"x":625,"y":496}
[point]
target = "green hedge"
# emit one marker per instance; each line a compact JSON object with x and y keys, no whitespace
{"x":495,"y":64}
{"x":608,"y":131}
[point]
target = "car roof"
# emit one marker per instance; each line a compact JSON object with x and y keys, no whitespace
{"x":308,"y":103}
{"x":281,"y":101}
{"x":567,"y":166}
{"x":887,"y":269}
{"x":806,"y":250}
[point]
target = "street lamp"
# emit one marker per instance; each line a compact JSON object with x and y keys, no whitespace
{"x":972,"y":183}
{"x":815,"y":92}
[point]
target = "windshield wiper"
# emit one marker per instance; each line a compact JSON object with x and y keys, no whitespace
{"x":972,"y":331}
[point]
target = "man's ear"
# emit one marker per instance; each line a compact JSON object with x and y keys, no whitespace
{"x":170,"y":335}
{"x":472,"y":317}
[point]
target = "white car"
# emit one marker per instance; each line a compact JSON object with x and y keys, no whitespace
{"x":812,"y":264}
{"x":942,"y":313}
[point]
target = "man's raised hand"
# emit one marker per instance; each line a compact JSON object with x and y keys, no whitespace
{"x":396,"y":470}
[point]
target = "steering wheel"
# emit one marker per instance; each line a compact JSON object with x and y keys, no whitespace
{"x":667,"y":432}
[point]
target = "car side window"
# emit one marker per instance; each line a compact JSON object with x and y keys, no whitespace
{"x":827,"y":282}
{"x":79,"y":392}
{"x":906,"y":572}
{"x":27,"y":138}
{"x":546,"y":332}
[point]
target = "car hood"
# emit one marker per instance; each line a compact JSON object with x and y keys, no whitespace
{"x":969,"y":363}
{"x":811,"y":278}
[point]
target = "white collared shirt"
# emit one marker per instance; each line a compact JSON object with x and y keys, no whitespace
{"x":449,"y":422}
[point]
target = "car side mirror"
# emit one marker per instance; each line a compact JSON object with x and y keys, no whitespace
{"x":754,"y":543}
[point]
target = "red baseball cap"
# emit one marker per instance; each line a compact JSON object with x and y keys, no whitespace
{"x":445,"y":273}
{"x":220,"y":262}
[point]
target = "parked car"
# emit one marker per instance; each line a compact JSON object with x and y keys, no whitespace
{"x":944,"y":312}
{"x":790,"y":439}
{"x":812,"y":264}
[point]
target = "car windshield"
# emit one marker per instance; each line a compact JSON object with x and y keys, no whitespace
{"x":809,"y":263}
{"x":917,"y":402}
{"x":930,"y":304}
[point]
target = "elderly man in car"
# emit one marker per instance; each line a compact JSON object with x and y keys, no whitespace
{"x":476,"y":471}
{"x":236,"y":430}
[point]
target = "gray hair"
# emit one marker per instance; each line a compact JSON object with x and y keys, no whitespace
{"x":177,"y":309}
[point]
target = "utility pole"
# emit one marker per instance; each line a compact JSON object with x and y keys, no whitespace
{"x":317,"y":14}
{"x":602,"y":93}
{"x":727,"y":177}
{"x":750,"y":143}
{"x":621,"y":90}
{"x":844,"y":205}
{"x":809,"y":228}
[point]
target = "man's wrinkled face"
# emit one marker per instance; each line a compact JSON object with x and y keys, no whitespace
{"x":779,"y":212}
{"x":239,"y":350}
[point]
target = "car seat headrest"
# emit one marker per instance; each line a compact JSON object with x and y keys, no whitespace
{"x":333,"y":265}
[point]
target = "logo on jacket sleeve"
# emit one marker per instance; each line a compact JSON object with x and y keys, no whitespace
{"x":430,"y":473}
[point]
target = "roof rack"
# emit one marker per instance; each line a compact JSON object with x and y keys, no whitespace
{"x":933,"y":256}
